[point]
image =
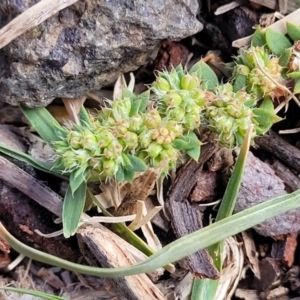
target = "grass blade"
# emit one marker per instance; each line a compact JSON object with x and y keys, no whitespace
{"x":72,"y":209}
{"x":44,"y":124}
{"x":207,"y":288}
{"x":178,"y":249}
{"x":32,"y":292}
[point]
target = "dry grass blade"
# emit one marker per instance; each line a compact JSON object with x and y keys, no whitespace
{"x":32,"y":17}
{"x":73,"y":107}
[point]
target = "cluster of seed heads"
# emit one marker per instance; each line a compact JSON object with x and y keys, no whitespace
{"x":262,"y":72}
{"x":230,"y":114}
{"x":152,"y":134}
{"x":180,"y":98}
{"x":103,"y":147}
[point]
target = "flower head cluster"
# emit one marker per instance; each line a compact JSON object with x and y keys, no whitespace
{"x":230,"y":114}
{"x":180,"y":97}
{"x":261,"y":70}
{"x":126,"y":137}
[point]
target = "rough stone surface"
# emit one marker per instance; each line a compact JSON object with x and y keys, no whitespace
{"x":260,"y":184}
{"x":87,"y":45}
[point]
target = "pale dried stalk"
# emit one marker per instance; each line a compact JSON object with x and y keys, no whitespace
{"x":31,"y":18}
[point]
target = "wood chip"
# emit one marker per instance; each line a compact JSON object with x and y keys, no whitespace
{"x":185,"y":219}
{"x":108,"y":250}
{"x":284,"y":250}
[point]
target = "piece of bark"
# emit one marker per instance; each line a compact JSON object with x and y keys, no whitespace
{"x":24,"y":182}
{"x":106,"y":247}
{"x":284,"y":250}
{"x":22,"y":216}
{"x":291,"y":181}
{"x":259,"y":184}
{"x":269,"y":274}
{"x":278,"y":147}
{"x":185,"y":219}
{"x":206,"y":185}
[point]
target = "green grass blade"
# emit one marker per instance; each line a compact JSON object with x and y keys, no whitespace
{"x":44,"y":124}
{"x":178,"y":249}
{"x":207,"y":288}
{"x":21,"y":156}
{"x":72,"y":209}
{"x":32,"y":293}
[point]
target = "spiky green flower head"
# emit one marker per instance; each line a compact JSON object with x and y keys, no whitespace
{"x":126,"y":137}
{"x":180,"y":97}
{"x":259,"y":72}
{"x":230,"y":114}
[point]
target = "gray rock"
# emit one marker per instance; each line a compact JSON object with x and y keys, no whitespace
{"x":87,"y":45}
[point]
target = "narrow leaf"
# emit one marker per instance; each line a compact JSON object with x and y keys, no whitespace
{"x":44,"y":124}
{"x":277,"y":41}
{"x":32,"y":293}
{"x":76,"y":179}
{"x":72,"y":209}
{"x":176,"y":250}
{"x":45,"y":167}
{"x":209,"y":286}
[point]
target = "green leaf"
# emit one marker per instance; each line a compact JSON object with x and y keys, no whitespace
{"x":267,"y":103}
{"x":265,"y":118}
{"x":72,"y":209}
{"x":128,"y":174}
{"x":297,"y":86}
{"x":293,"y":31}
{"x":77,"y":177}
{"x":120,"y":174}
{"x":284,"y":59}
{"x":139,"y":103}
{"x":44,"y":124}
{"x":128,"y":94}
{"x":240,"y":83}
{"x":179,"y":70}
{"x":194,"y":153}
{"x":136,"y":164}
{"x":258,"y":38}
{"x":206,"y":289}
{"x":293,"y":75}
{"x":32,"y":293}
{"x":176,"y":250}
{"x":84,"y":118}
{"x":21,"y":156}
{"x":277,"y":41}
{"x":186,"y":142}
{"x":206,"y":74}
